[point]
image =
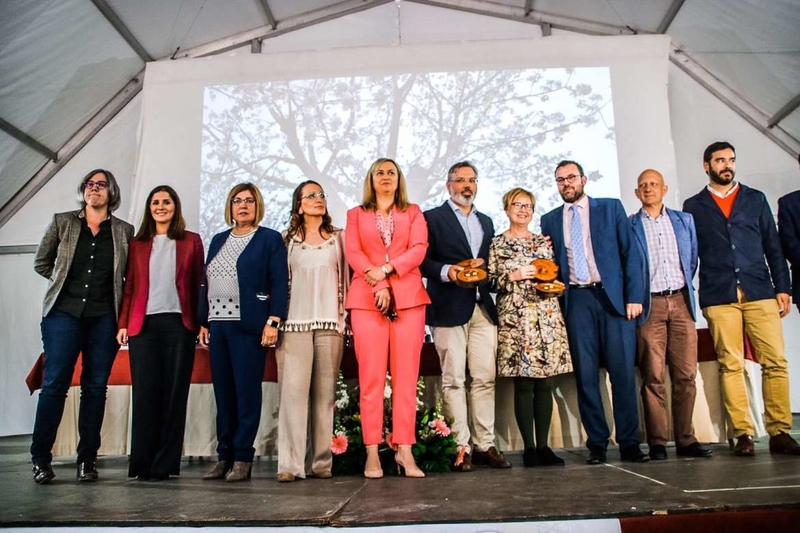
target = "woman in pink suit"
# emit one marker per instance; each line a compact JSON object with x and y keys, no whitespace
{"x":385,"y":242}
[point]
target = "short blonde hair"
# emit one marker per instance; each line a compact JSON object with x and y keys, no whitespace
{"x":400,"y":195}
{"x":239,"y":188}
{"x":511,"y":195}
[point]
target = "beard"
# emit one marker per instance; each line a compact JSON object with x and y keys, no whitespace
{"x":460,"y":199}
{"x":572,"y":196}
{"x":719,"y":180}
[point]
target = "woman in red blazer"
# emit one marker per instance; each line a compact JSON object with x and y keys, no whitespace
{"x":385,"y":242}
{"x":158,"y":320}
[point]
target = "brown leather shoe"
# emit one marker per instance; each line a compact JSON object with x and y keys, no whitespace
{"x":490,"y":457}
{"x":285,"y":477}
{"x":744,"y":446}
{"x":463,"y":462}
{"x":784,"y":444}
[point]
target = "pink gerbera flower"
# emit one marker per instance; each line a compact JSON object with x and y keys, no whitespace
{"x":339,"y":444}
{"x":440,"y":427}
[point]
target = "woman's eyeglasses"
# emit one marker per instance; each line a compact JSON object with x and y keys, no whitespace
{"x":99,"y":185}
{"x":249,"y":200}
{"x":314,"y":195}
{"x":522,"y":207}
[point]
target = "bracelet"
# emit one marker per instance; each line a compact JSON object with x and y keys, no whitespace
{"x":385,"y":270}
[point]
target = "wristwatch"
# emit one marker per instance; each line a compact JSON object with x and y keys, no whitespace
{"x":273,"y":323}
{"x":385,"y":270}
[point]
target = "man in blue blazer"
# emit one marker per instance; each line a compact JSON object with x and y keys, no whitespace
{"x":789,"y":231}
{"x":602,"y":269}
{"x":743,"y":282}
{"x":666,"y":331}
{"x":463,"y":320}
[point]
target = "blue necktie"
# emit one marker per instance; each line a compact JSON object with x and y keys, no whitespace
{"x":578,"y":253}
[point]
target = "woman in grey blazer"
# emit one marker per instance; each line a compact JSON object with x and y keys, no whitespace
{"x":83,"y":254}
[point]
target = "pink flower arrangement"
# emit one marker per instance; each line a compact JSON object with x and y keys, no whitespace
{"x":339,"y":443}
{"x":440,"y":427}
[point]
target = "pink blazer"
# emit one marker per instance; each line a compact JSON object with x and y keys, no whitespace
{"x":364,"y":248}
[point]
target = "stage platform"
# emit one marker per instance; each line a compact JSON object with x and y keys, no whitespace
{"x":728,"y":492}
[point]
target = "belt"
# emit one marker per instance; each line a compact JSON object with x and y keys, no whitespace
{"x":596,"y":285}
{"x":668,"y":292}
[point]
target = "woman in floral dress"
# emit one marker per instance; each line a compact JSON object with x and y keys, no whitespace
{"x":532,"y":339}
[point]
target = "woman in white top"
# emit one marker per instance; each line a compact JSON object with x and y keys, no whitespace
{"x":159,"y":321}
{"x":310,"y":348}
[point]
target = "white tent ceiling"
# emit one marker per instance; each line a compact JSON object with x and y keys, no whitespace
{"x":68,"y":66}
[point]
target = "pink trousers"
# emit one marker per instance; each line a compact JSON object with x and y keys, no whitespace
{"x":398,"y":343}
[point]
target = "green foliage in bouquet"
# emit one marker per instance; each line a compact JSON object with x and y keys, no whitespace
{"x":435,"y":448}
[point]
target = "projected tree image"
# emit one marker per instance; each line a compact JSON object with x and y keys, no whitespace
{"x":515,"y":125}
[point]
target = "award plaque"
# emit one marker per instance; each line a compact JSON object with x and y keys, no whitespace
{"x":473,"y":274}
{"x":546,"y":274}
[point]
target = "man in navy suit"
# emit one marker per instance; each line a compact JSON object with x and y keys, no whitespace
{"x":602,"y":269}
{"x":463,"y":320}
{"x":743,"y":281}
{"x":666,"y":331}
{"x":789,"y":231}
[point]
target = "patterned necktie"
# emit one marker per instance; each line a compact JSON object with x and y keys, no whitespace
{"x":578,"y":253}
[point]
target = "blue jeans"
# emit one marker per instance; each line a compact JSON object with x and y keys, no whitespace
{"x":65,"y":337}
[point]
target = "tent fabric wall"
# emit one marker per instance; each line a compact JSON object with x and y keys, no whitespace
{"x":697,"y":119}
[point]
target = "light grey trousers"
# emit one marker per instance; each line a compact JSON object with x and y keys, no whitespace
{"x":308,"y":365}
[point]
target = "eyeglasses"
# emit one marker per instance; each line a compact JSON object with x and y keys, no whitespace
{"x":461,"y":181}
{"x":249,"y":200}
{"x":99,"y":185}
{"x":314,"y":195}
{"x":567,"y":179}
{"x":522,"y":207}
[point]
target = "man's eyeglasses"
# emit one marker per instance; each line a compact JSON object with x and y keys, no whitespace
{"x":249,"y":200}
{"x":99,"y":185}
{"x":522,"y":207}
{"x":461,"y":181}
{"x":567,"y":179}
{"x":314,"y":195}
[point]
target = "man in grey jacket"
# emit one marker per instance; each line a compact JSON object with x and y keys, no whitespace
{"x":84,"y":255}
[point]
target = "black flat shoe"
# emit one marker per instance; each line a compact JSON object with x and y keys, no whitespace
{"x":633,"y":454}
{"x":694,"y":450}
{"x":43,"y":473}
{"x":658,"y":452}
{"x":87,"y":470}
{"x":547,"y":457}
{"x":597,"y":455}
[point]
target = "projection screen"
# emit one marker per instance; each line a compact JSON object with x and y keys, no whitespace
{"x":513,"y":108}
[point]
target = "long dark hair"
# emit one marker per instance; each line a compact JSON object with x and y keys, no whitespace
{"x":297,"y":220}
{"x":177,"y":226}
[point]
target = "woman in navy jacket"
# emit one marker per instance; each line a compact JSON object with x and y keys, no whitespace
{"x":243,"y":301}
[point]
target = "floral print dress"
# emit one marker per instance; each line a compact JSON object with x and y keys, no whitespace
{"x":532,"y":336}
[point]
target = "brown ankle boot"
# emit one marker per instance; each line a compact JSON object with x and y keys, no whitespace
{"x":239,"y":472}
{"x":218,"y":471}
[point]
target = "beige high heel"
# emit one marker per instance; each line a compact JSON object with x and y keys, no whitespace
{"x":377,"y":473}
{"x":407,"y":465}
